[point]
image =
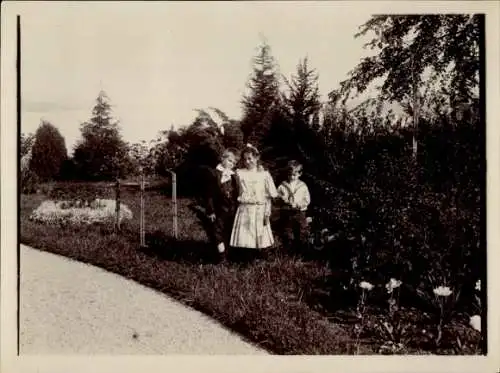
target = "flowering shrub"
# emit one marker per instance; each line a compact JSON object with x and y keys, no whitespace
{"x":475,"y":322}
{"x":390,"y":326}
{"x":395,"y":328}
{"x":78,"y":212}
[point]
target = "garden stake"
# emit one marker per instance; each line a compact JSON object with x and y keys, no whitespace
{"x":117,"y":200}
{"x":142,"y":222}
{"x":415,"y":108}
{"x":174,"y":198}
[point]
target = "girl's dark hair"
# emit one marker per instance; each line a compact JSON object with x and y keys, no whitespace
{"x":230,"y":151}
{"x":250,"y":149}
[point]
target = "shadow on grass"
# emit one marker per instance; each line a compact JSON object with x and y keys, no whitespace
{"x":330,"y":296}
{"x":165,"y":247}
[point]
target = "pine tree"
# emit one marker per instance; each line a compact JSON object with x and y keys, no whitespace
{"x":48,"y":152}
{"x":301,"y":104}
{"x":260,"y":104}
{"x":101,"y":154}
{"x":316,"y":124}
{"x":302,"y":101}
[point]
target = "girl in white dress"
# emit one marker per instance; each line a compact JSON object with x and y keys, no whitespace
{"x":251,"y":228}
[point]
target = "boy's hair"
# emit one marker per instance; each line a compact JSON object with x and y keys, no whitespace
{"x":294,"y":165}
{"x":230,"y":152}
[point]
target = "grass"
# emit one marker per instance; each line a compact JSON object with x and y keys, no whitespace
{"x":264,"y":301}
{"x":279,"y":303}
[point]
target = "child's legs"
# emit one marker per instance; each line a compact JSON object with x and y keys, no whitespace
{"x":228,"y":226}
{"x":299,"y":230}
{"x":287,"y":227}
{"x":218,"y":231}
{"x":223,"y":226}
{"x":302,"y":227}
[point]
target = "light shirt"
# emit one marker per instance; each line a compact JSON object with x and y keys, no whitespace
{"x":295,"y":193}
{"x":226,"y":173}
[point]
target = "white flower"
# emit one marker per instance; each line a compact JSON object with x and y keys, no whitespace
{"x":365,"y":285}
{"x":62,"y":212}
{"x":324,"y":231}
{"x":392,"y":284}
{"x":475,"y":322}
{"x":478,"y":285}
{"x":309,"y":220}
{"x":442,"y":291}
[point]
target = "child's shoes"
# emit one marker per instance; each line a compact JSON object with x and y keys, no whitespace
{"x":221,"y":248}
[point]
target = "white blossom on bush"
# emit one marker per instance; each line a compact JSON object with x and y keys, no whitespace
{"x":478,"y":285}
{"x":442,"y":291}
{"x":475,"y":322}
{"x":365,"y":285}
{"x":330,"y":238}
{"x":392,"y":284}
{"x":64,"y":212}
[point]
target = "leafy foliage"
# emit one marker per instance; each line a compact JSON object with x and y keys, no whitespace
{"x":391,"y":218}
{"x":27,"y":141}
{"x":140,"y":157}
{"x":444,"y":47}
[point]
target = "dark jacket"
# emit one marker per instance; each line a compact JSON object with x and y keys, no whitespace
{"x":221,"y":197}
{"x":221,"y":200}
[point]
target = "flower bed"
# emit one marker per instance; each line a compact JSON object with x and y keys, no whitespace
{"x":99,"y":211}
{"x":399,"y":327}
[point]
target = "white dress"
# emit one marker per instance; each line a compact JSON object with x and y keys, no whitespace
{"x":256,"y":188}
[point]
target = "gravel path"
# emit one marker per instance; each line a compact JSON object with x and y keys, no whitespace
{"x":67,"y":307}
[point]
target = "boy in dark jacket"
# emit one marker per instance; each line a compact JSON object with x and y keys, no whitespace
{"x":222,"y":194}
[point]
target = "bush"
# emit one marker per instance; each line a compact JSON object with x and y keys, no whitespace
{"x":390,"y":216}
{"x":29,"y":182}
{"x":48,"y":152}
{"x":81,"y":191}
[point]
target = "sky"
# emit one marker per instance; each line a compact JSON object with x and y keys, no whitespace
{"x":159,"y":61}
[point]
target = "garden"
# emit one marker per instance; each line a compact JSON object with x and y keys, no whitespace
{"x":396,"y":256}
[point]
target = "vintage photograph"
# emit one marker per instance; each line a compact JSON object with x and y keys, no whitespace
{"x":252,"y":178}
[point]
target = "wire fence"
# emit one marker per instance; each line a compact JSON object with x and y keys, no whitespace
{"x":133,"y":205}
{"x":143,"y":186}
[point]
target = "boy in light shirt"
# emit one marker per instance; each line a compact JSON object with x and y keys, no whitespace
{"x":295,"y":198}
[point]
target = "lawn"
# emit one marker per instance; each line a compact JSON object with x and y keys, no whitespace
{"x":281,"y":303}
